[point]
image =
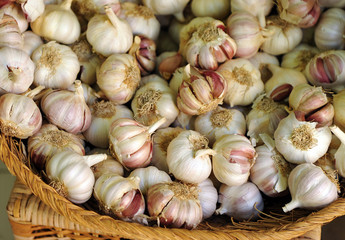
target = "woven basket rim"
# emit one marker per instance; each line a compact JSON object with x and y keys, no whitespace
{"x":111,"y":226}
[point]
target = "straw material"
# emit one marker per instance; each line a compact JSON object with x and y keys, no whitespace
{"x":12,"y":153}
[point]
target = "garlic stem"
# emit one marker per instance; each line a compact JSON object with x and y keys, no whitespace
{"x":79,"y":89}
{"x":66,"y":4}
{"x":203,"y":152}
{"x":112,"y":16}
{"x":34,"y":92}
{"x":262,"y":19}
{"x":135,"y":46}
{"x":95,"y":158}
{"x":338,"y":132}
{"x":156,"y":125}
{"x":291,"y":205}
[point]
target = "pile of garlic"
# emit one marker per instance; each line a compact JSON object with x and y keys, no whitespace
{"x":170,"y":112}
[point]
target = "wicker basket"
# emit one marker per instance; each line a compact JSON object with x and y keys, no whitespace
{"x":285,"y":226}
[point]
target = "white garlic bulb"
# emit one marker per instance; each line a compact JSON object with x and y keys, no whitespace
{"x":32,"y":9}
{"x":31,"y":42}
{"x":340,"y":152}
{"x":299,"y":57}
{"x":10,"y":34}
{"x":218,"y":9}
{"x":208,"y":197}
{"x":13,"y":9}
{"x":332,"y":3}
{"x":167,"y":7}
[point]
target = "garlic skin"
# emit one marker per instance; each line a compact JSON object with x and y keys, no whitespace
{"x":260,"y":60}
{"x":176,"y":80}
{"x":10,"y":34}
{"x":168,"y":62}
{"x":149,"y":176}
{"x":339,"y":114}
{"x":104,"y":113}
{"x":330,"y":30}
{"x":153,"y":101}
{"x":141,"y":19}
{"x":58,"y":23}
{"x":108,"y":34}
{"x":299,"y":57}
{"x":119,"y":196}
{"x":32,"y":9}
{"x":119,"y":77}
{"x":70,"y":174}
{"x":214,"y":8}
{"x":244,"y":82}
{"x":167,"y":7}
{"x":67,"y":109}
{"x":175,"y":204}
{"x":16,"y":71}
{"x":281,"y":36}
{"x":310,"y":188}
{"x":48,"y":141}
{"x":300,"y":141}
{"x":234,"y":157}
{"x":13,"y":9}
{"x":208,"y":197}
{"x":219,"y":122}
{"x":240,"y":202}
{"x":31,"y":42}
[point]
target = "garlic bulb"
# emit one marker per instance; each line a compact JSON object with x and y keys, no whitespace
{"x":175,"y":204}
{"x":283,"y":80}
{"x":243,"y":80}
{"x":152,"y":78}
{"x":19,"y":115}
{"x":332,"y":3}
{"x":149,"y":176}
{"x":161,"y":140}
{"x":16,"y":71}
{"x":153,"y":101}
{"x":299,"y":57}
{"x":120,"y":196}
{"x":104,"y":113}
{"x":57,"y":65}
{"x":48,"y":141}
{"x":214,"y":8}
{"x":58,"y":23}
{"x":339,"y":154}
{"x":281,"y":36}
{"x":175,"y":28}
{"x":31,"y":42}
{"x":67,"y":109}
{"x":184,"y":121}
{"x":188,"y":157}
{"x":208,"y":197}
{"x":234,"y":157}
{"x":130,"y":142}
{"x":310,"y":187}
{"x":10,"y":34}
{"x":13,"y":9}
{"x":300,"y":141}
{"x":141,"y":19}
{"x":260,"y":60}
{"x":270,"y":171}
{"x":70,"y":174}
{"x":330,"y":30}
{"x":108,"y":34}
{"x":201,"y":91}
{"x":168,"y":62}
{"x":240,"y":202}
{"x":167,"y":7}
{"x":90,"y":95}
{"x":86,"y":9}
{"x":264,"y":117}
{"x":32,"y":9}
{"x":219,"y":122}
{"x":339,"y":114}
{"x":119,"y":77}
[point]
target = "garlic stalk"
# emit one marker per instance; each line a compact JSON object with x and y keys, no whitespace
{"x":32,"y":8}
{"x":13,"y":9}
{"x":261,"y":60}
{"x":10,"y":34}
{"x":31,"y":42}
{"x":174,"y":7}
{"x":299,"y":57}
{"x":208,"y":197}
{"x":214,"y":8}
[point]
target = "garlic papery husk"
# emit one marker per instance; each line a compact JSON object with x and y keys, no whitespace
{"x":340,"y":152}
{"x":167,"y":7}
{"x":208,"y":197}
{"x":245,"y":29}
{"x":234,"y":157}
{"x":16,"y":71}
{"x":302,"y":13}
{"x":58,"y":22}
{"x":10,"y":34}
{"x":189,"y":157}
{"x":326,"y":69}
{"x":153,"y":101}
{"x":177,"y":79}
{"x":283,"y":80}
{"x":299,"y":57}
{"x":339,"y":114}
{"x":108,"y":34}
{"x":168,"y":62}
{"x":104,"y":113}
{"x":70,"y":174}
{"x":131,"y":143}
{"x":219,"y":122}
{"x":14,"y":10}
{"x":90,"y":95}
{"x":119,"y":77}
{"x":270,"y":171}
{"x":161,"y":140}
{"x":313,"y":102}
{"x":244,"y":82}
{"x":214,"y":8}
{"x":19,"y":115}
{"x":260,"y":60}
{"x":67,"y":109}
{"x":209,"y":45}
{"x":57,"y":65}
{"x":264,"y":117}
{"x":120,"y":196}
{"x":260,"y":9}
{"x":48,"y":141}
{"x":32,"y":9}
{"x":175,"y":204}
{"x":243,"y":202}
{"x":200,"y":91}
{"x":329,"y":32}
{"x":144,"y":51}
{"x":31,"y":42}
{"x":141,"y":19}
{"x":149,"y":176}
{"x":327,"y":162}
{"x":310,"y":188}
{"x":300,"y":141}
{"x":332,"y":3}
{"x":281,"y":36}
